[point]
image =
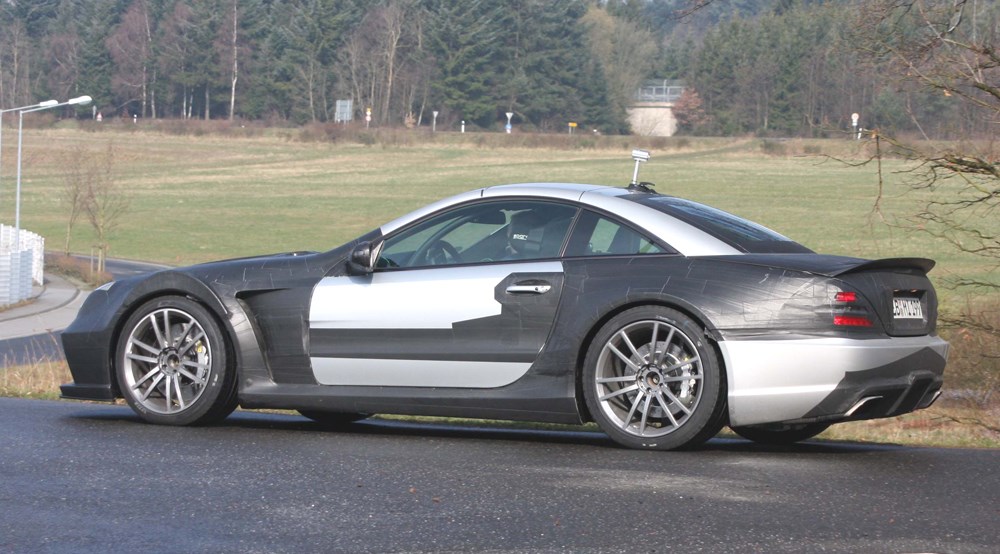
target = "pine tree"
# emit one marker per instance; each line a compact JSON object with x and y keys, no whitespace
{"x":95,"y":21}
{"x":465,"y":39}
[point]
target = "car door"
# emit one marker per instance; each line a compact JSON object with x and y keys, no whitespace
{"x":462,"y":299}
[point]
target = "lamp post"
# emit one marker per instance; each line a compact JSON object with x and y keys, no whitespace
{"x":46,"y":104}
{"x":78,"y":101}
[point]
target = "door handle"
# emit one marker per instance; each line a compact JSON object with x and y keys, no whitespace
{"x":529,"y":288}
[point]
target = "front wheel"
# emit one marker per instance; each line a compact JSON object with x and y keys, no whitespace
{"x":652,"y":381}
{"x":172,"y":364}
{"x":780,"y":434}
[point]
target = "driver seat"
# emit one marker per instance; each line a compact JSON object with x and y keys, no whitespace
{"x":524,"y":235}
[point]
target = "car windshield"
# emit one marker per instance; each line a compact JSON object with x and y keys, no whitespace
{"x":736,"y":231}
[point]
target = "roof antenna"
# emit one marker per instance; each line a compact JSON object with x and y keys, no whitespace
{"x":640,"y":156}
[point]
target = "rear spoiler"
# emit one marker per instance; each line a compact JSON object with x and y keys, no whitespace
{"x":923,"y":264}
{"x":829,"y":266}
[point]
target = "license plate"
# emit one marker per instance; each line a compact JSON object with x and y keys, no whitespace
{"x":907,"y":308}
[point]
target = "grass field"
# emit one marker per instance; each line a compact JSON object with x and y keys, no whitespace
{"x":200,"y":198}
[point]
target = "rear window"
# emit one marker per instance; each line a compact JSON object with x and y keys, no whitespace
{"x":742,"y":234}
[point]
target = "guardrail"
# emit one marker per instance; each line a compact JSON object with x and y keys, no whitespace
{"x":659,"y":91}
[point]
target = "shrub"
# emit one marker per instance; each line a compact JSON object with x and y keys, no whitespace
{"x":321,"y":132}
{"x":367,"y":138}
{"x":75,"y":268}
{"x":974,"y":359}
{"x":773,"y":147}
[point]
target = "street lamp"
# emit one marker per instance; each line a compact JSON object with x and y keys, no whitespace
{"x":78,"y":101}
{"x":46,"y":104}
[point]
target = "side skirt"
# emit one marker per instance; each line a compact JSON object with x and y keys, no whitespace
{"x":514,"y":403}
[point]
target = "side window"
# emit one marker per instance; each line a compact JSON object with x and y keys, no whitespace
{"x":596,"y":235}
{"x":481,"y":233}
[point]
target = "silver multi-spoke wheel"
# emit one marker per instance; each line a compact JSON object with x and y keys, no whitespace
{"x":172,"y":364}
{"x":649,"y":378}
{"x":167,"y":361}
{"x":651,"y":381}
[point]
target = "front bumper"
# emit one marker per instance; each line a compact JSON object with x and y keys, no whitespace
{"x":89,"y":357}
{"x":87,"y":343}
{"x":73,"y":391}
{"x":829,"y":379}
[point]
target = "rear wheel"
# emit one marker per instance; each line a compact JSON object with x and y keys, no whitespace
{"x":332,"y":419}
{"x":172,"y":364}
{"x":779,"y":434}
{"x":652,"y":381}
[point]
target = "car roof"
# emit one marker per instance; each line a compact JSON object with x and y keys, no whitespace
{"x":685,"y":238}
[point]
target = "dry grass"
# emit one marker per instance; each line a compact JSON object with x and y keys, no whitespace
{"x":947,"y":424}
{"x":37,"y":380}
{"x":973,"y":329}
{"x":76,"y":269}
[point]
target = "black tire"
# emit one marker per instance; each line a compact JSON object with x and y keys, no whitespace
{"x":173,"y":365}
{"x":333,"y":419}
{"x":780,"y":434}
{"x":664,"y":392}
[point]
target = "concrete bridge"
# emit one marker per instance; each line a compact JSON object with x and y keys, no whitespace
{"x":651,"y":113}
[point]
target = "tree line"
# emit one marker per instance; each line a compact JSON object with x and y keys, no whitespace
{"x":799,"y":67}
{"x":291,"y":60}
{"x":767,"y":67}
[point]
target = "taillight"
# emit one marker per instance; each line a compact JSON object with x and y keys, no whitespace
{"x":846,"y":296}
{"x":851,"y":313}
{"x":851,"y":321}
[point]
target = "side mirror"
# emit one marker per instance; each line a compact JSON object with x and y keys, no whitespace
{"x":363,"y":257}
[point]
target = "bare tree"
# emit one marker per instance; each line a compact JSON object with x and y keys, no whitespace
{"x":106,"y":200}
{"x":64,"y":52}
{"x":130,"y":48}
{"x":415,"y":76}
{"x":945,"y":46}
{"x":76,"y":180}
{"x":948,"y":48}
{"x":236,"y":65}
{"x":228,"y":46}
{"x":173,"y":56}
{"x":15,"y":74}
{"x":626,"y":52}
{"x":391,"y":19}
{"x":354,"y":54}
{"x":378,"y":52}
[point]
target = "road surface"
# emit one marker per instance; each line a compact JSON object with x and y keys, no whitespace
{"x":78,"y":477}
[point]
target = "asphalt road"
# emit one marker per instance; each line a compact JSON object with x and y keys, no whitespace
{"x":27,"y":350}
{"x":121,"y":269}
{"x":78,"y":477}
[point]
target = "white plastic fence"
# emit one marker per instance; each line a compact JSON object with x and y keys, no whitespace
{"x":20,"y":264}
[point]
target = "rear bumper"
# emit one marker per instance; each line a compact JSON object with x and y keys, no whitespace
{"x":831,"y":379}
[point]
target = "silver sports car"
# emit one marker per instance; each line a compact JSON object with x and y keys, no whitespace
{"x":658,"y":318}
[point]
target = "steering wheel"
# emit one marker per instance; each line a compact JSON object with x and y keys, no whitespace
{"x":441,"y":252}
